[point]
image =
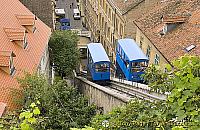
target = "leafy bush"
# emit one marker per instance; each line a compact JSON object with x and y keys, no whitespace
{"x":28,"y":119}
{"x":63,"y":106}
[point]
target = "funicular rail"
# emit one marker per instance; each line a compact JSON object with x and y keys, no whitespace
{"x":135,"y":91}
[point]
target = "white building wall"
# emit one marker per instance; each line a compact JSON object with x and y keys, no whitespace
{"x":44,"y":66}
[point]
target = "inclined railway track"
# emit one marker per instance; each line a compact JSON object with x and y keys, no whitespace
{"x":131,"y":91}
{"x":134,"y":92}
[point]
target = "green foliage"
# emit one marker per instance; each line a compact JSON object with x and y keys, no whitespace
{"x":183,"y":81}
{"x":9,"y":120}
{"x":65,"y":54}
{"x":86,"y":128}
{"x":135,"y":115}
{"x":178,"y":128}
{"x":185,"y":96}
{"x":29,"y":119}
{"x":157,"y":79}
{"x":63,"y":106}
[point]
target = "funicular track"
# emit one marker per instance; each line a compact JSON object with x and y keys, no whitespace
{"x":132,"y":91}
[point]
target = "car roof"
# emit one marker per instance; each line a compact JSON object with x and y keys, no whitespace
{"x":76,"y":11}
{"x":97,"y":52}
{"x":131,"y":49}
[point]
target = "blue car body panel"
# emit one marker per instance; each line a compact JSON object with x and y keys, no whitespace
{"x":129,"y":52}
{"x":99,"y":56}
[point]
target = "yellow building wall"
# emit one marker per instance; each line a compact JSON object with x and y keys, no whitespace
{"x":111,"y":24}
{"x":91,"y":18}
{"x":106,"y":24}
{"x":140,"y":37}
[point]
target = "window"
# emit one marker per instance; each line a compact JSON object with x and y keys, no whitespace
{"x":108,"y":33}
{"x":104,"y":67}
{"x":43,"y":60}
{"x":148,"y":51}
{"x":138,"y":66}
{"x":141,"y":41}
{"x":100,"y":19}
{"x":106,"y":10}
{"x":113,"y":18}
{"x":116,"y":27}
{"x":65,"y":24}
{"x":34,"y":29}
{"x":12,"y":68}
{"x":109,"y":13}
{"x":121,"y":30}
{"x":157,"y":59}
{"x":25,"y":42}
{"x":101,"y":3}
{"x":119,"y":49}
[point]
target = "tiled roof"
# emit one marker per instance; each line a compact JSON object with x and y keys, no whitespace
{"x":26,"y":59}
{"x":2,"y":108}
{"x":172,"y":45}
{"x":126,"y":5}
{"x":133,"y":11}
{"x":15,"y":33}
{"x":4,"y":60}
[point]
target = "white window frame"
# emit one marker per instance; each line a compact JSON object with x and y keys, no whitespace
{"x":157,"y":59}
{"x":148,"y":51}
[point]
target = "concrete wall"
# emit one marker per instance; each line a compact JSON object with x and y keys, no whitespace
{"x":103,"y":97}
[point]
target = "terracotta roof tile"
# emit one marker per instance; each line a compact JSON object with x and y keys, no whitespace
{"x":26,"y":59}
{"x":172,"y":45}
{"x":4,"y":60}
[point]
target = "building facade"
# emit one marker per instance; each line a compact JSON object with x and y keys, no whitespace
{"x":150,"y":23}
{"x":105,"y":22}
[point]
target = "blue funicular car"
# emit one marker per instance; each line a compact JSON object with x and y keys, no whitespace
{"x":98,"y":62}
{"x":131,"y":61}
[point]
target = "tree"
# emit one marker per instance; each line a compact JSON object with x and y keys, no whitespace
{"x":63,"y":106}
{"x":64,"y":52}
